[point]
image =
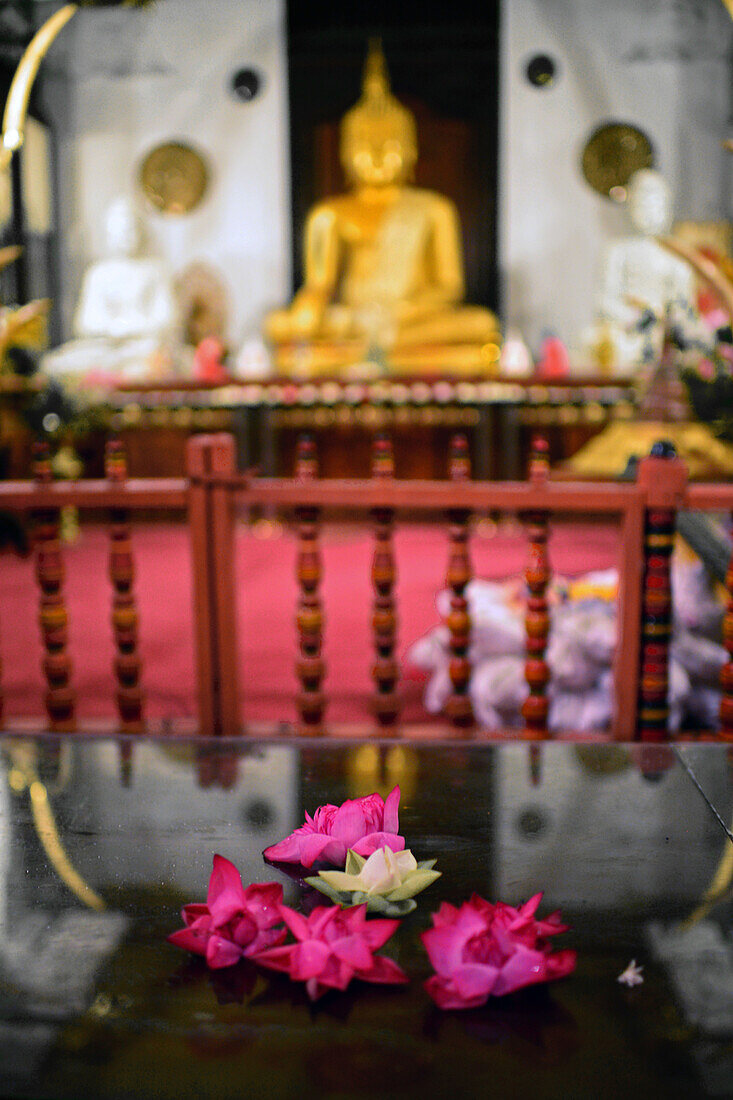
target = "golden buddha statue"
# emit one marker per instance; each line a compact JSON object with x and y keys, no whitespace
{"x":383,"y":262}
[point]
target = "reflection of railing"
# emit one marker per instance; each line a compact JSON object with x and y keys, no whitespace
{"x":212,"y":492}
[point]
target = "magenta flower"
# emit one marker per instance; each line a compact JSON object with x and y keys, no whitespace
{"x":333,"y":946}
{"x":234,"y":922}
{"x":482,"y":950}
{"x":362,"y":824}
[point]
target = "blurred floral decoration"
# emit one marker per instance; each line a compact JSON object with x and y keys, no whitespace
{"x":709,"y":381}
{"x":702,"y":343}
{"x":52,"y":410}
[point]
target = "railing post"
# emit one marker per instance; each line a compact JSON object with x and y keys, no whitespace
{"x":663,"y":476}
{"x":458,"y":707}
{"x":124,"y":612}
{"x":211,"y":520}
{"x":309,"y":618}
{"x":60,"y":696}
{"x":2,"y":696}
{"x":384,"y":618}
{"x":626,"y":660}
{"x":537,"y":621}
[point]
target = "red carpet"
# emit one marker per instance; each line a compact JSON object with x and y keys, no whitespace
{"x":267,"y":594}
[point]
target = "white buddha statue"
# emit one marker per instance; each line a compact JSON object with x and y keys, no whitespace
{"x":126,"y":321}
{"x":641,"y":281}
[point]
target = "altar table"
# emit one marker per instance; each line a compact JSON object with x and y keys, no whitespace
{"x":498,"y":415}
{"x":103,"y":840}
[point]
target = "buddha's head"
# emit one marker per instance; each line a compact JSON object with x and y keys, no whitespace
{"x":378,"y":137}
{"x":650,"y":202}
{"x":122,"y":227}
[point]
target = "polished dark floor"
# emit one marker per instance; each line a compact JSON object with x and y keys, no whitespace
{"x":102,"y":841}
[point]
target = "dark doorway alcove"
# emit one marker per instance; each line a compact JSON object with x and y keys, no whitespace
{"x":443,"y":64}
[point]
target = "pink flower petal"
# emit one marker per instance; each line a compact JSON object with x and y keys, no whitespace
{"x":354,"y":951}
{"x":337,"y":973}
{"x":277,"y":958}
{"x":373,"y":841}
{"x":444,"y":994}
{"x":192,"y":912}
{"x":189,"y":941}
{"x":471,"y":921}
{"x":244,"y":930}
{"x":377,"y":932}
{"x":319,"y":846}
{"x":270,"y":937}
{"x":530,"y":907}
{"x":474,"y":982}
{"x":297,"y":923}
{"x":221,"y":952}
{"x":552,"y":925}
{"x":385,"y":971}
{"x":525,"y":967}
{"x":558,"y":964}
{"x":391,"y":819}
{"x":349,"y":823}
{"x":201,"y":926}
{"x":262,"y":901}
{"x":320,"y":919}
{"x":308,"y":960}
{"x":285,"y":851}
{"x":445,"y":915}
{"x":444,"y":948}
{"x":226,"y":893}
{"x":323,"y":817}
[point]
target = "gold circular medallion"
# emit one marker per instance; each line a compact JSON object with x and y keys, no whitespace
{"x":174,"y":178}
{"x":612,"y":154}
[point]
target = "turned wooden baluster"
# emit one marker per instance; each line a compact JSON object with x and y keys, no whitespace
{"x":60,"y":696}
{"x":124,"y":612}
{"x":726,"y":673}
{"x":384,"y":618}
{"x":310,"y":666}
{"x":663,"y":476}
{"x":656,"y":624}
{"x":537,"y":621}
{"x":458,"y":708}
{"x":656,"y":617}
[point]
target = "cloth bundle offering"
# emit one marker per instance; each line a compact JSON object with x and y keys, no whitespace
{"x":579,"y":652}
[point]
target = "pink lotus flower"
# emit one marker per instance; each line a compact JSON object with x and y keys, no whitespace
{"x":362,"y":824}
{"x":234,"y":922}
{"x":333,"y":946}
{"x":482,"y":950}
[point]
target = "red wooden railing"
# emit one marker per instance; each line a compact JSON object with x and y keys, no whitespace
{"x":212,"y":493}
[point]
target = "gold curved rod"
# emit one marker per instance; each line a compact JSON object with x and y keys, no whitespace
{"x":25,"y":775}
{"x":705,"y":268}
{"x":16,"y":105}
{"x":9,"y":255}
{"x":717,"y":889}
